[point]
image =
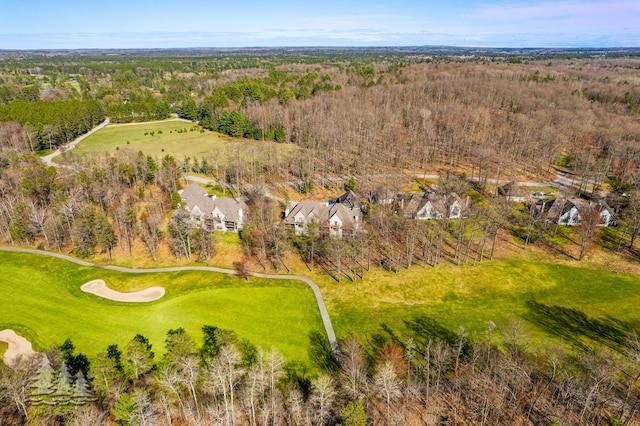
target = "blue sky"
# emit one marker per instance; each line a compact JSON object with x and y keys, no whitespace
{"x":38,"y":24}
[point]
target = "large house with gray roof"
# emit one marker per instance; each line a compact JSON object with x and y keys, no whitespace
{"x":334,"y":219}
{"x":213,"y":213}
{"x":430,"y":205}
{"x":569,"y":212}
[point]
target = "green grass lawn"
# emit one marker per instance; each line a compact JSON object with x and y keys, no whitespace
{"x":193,"y":144}
{"x":545,"y":189}
{"x":471,"y":296}
{"x":41,"y":300}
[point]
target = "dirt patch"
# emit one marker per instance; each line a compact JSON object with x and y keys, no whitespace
{"x":100,"y":289}
{"x":19,"y":348}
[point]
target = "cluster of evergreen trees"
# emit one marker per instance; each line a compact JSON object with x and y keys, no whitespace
{"x":230,"y":122}
{"x":53,"y":123}
{"x":138,"y":111}
{"x":11,"y":93}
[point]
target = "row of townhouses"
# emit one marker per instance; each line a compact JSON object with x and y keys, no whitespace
{"x":336,"y":218}
{"x":343,"y":216}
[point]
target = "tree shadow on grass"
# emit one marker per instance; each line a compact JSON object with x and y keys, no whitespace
{"x":560,"y":250}
{"x":610,"y":238}
{"x":574,"y":325}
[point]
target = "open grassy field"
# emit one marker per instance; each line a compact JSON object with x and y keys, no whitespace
{"x":41,"y":300}
{"x":175,"y":138}
{"x":552,"y":298}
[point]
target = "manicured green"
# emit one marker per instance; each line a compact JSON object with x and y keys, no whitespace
{"x":190,"y":143}
{"x":41,"y":300}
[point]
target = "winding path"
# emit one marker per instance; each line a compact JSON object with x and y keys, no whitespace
{"x":48,"y":159}
{"x":326,"y":320}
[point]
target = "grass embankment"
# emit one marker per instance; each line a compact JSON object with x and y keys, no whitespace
{"x":42,"y":301}
{"x":228,"y":249}
{"x":175,"y":138}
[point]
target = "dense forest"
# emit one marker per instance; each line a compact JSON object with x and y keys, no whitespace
{"x":503,"y":116}
{"x":379,"y":116}
{"x":511,"y":116}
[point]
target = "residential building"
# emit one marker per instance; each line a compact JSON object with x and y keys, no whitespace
{"x":569,"y":212}
{"x":430,"y":205}
{"x":335,"y":219}
{"x":214,"y":213}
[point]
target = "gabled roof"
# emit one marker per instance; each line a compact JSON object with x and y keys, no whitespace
{"x":195,"y":196}
{"x":193,"y":190}
{"x":410,"y":205}
{"x":561,"y":206}
{"x":205,"y":204}
{"x":321,"y":212}
{"x":306,"y":208}
{"x":230,"y":208}
{"x":350,"y":217}
{"x":349,"y":199}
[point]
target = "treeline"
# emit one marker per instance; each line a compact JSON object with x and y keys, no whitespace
{"x":366,"y":113}
{"x":48,"y":125}
{"x":116,"y":203}
{"x":138,"y":111}
{"x":488,"y":119}
{"x":421,"y":374}
{"x":215,"y":112}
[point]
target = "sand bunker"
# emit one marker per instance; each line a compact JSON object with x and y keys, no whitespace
{"x":99,"y":288}
{"x":19,"y":348}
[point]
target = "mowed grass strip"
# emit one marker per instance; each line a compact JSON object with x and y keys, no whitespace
{"x":41,"y":300}
{"x":177,"y":139}
{"x":471,"y":296}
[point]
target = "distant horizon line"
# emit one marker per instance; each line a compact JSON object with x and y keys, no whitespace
{"x":333,"y":47}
